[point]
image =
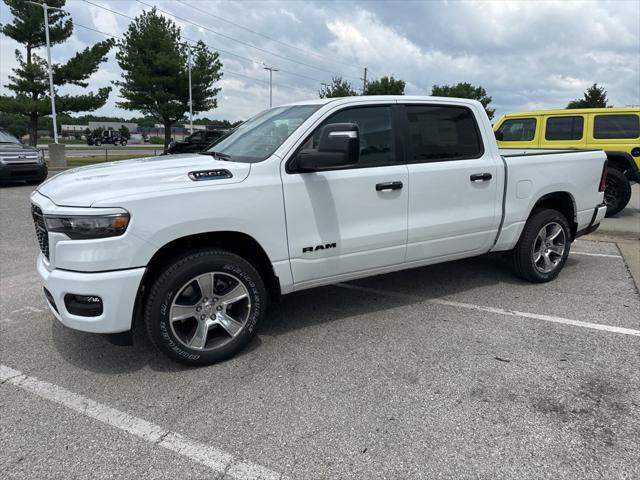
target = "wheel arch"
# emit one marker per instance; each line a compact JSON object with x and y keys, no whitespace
{"x":564,"y":203}
{"x":624,"y":162}
{"x":239,"y":243}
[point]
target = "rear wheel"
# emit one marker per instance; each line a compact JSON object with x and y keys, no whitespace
{"x":97,"y":143}
{"x":123,"y":143}
{"x":617,"y":192}
{"x":205,"y":307}
{"x":543,"y":247}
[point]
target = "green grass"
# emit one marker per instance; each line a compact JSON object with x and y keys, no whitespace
{"x":82,"y":161}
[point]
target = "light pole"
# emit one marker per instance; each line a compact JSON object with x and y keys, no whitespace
{"x":271,"y":70}
{"x":190,"y":97}
{"x":189,"y":61}
{"x":45,"y":9}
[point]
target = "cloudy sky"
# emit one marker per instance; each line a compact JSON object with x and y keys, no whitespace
{"x":527,"y":54}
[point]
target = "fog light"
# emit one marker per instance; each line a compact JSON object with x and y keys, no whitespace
{"x":83,"y":305}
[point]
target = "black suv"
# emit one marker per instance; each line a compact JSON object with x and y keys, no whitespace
{"x":196,"y":142}
{"x":19,"y":161}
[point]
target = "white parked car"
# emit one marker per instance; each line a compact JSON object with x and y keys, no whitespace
{"x":193,"y":247}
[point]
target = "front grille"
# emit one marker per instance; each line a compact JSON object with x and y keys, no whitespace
{"x":20,"y":158}
{"x":41,"y":230}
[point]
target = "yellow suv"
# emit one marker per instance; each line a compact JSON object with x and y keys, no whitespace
{"x":614,"y":130}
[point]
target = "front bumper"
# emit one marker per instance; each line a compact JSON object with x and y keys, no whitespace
{"x":27,"y":171}
{"x":117,"y":289}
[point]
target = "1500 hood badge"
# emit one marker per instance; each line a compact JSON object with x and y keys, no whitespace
{"x":201,"y":175}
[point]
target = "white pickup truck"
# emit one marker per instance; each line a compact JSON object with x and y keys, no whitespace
{"x":193,"y":247}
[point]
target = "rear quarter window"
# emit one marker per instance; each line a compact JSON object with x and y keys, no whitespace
{"x":616,"y":126}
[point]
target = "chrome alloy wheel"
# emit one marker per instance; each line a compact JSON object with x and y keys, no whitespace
{"x":548,"y":247}
{"x":209,"y":310}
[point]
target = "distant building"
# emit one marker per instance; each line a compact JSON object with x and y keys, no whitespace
{"x":133,"y":127}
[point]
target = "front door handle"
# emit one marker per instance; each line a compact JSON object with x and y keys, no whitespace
{"x":480,"y":177}
{"x":388,"y":186}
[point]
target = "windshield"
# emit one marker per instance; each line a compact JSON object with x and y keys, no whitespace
{"x":256,"y":139}
{"x":6,"y":137}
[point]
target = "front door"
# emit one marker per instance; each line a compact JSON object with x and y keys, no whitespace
{"x":350,"y":219}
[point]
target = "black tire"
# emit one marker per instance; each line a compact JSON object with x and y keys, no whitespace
{"x":617,"y":193}
{"x":123,"y":143}
{"x":522,"y":258}
{"x":170,"y":284}
{"x":97,"y":143}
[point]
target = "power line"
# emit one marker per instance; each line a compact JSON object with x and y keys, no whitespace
{"x":225,"y":71}
{"x":226,"y":52}
{"x":303,"y":50}
{"x":241,"y":41}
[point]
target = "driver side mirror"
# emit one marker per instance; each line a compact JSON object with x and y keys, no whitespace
{"x":339,"y":146}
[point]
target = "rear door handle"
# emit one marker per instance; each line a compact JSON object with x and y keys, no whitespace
{"x":388,"y":186}
{"x":480,"y":177}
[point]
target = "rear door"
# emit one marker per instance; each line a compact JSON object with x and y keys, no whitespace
{"x":564,"y":131}
{"x":454,"y":199}
{"x":343,"y":221}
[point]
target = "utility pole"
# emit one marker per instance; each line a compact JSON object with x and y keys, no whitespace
{"x":271,"y":70}
{"x":45,"y":9}
{"x":364,"y":81}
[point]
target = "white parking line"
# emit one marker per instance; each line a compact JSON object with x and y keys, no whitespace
{"x":589,"y":254}
{"x":500,"y":311}
{"x":221,"y":462}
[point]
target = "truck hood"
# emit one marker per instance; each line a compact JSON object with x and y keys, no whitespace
{"x":100,"y":183}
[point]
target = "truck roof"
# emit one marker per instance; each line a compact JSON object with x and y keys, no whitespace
{"x":393,"y":98}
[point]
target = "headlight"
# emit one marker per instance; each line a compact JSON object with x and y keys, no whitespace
{"x":83,"y":227}
{"x":40,"y":156}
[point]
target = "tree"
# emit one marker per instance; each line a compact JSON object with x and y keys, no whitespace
{"x":385,"y":86}
{"x":153,"y":59}
{"x":465,"y":90}
{"x":124,"y":132}
{"x":30,"y":81}
{"x":594,"y":97}
{"x":337,"y":88}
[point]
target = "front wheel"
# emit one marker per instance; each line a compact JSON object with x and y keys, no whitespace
{"x":123,"y":143}
{"x":543,"y":247}
{"x":617,"y":193}
{"x":97,"y":143}
{"x":205,"y":307}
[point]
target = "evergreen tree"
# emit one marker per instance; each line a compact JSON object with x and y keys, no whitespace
{"x":153,"y":59}
{"x":594,"y":97}
{"x":337,"y":88}
{"x":465,"y":90}
{"x":30,"y":81}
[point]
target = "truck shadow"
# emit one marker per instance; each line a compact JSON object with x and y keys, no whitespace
{"x":296,"y":311}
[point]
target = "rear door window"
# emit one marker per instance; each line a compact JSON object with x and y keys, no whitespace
{"x":616,"y":126}
{"x":439,"y":133}
{"x":518,"y":130}
{"x":564,"y":128}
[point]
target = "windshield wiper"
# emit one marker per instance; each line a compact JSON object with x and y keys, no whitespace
{"x":221,"y":156}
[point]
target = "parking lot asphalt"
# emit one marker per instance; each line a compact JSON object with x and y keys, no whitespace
{"x":456,"y":370}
